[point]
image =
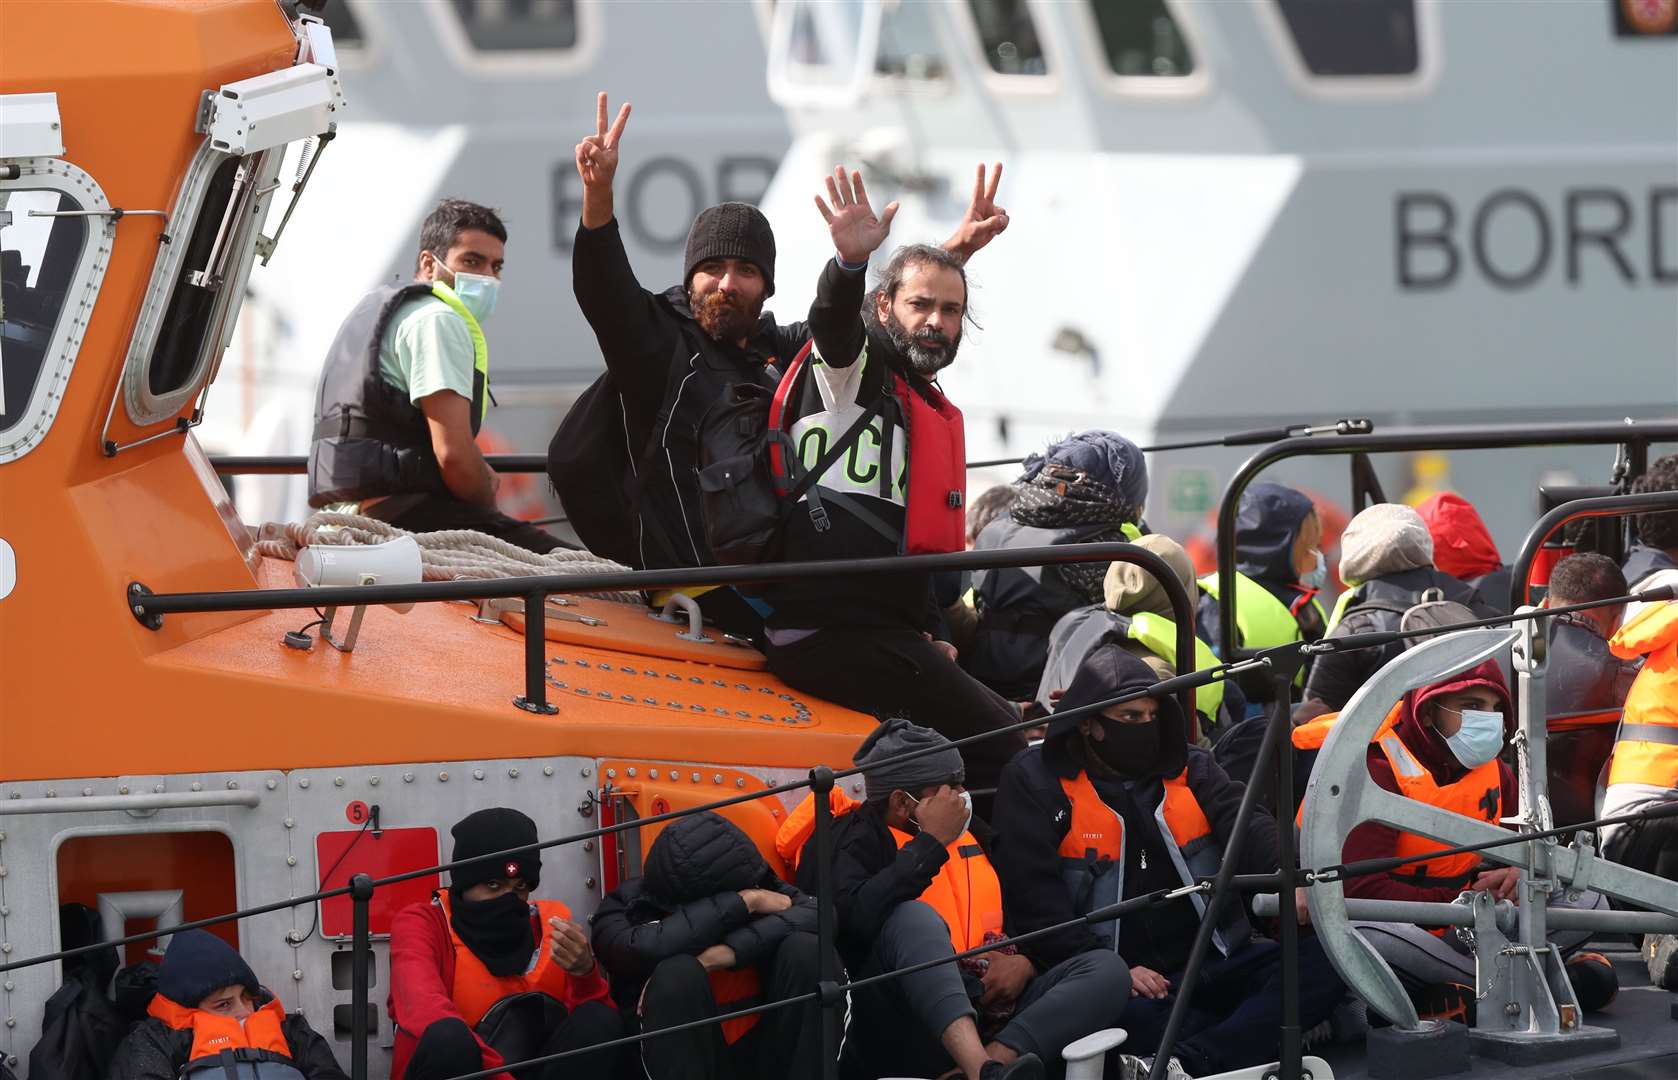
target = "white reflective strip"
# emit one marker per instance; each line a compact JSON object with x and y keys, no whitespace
{"x":1403,"y":762}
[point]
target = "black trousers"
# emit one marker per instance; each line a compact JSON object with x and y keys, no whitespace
{"x":896,"y":672}
{"x":1652,"y":846}
{"x":440,"y":513}
{"x":785,"y":1043}
{"x":448,"y":1048}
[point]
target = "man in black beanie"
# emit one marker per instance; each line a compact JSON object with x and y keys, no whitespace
{"x":482,"y":976}
{"x":208,"y":1000}
{"x":669,"y":358}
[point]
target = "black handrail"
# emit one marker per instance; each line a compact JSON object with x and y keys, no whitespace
{"x":1637,"y":434}
{"x":150,"y":608}
{"x":1520,"y":592}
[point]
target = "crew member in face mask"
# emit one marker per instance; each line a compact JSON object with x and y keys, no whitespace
{"x":911,"y":883}
{"x":1119,"y":805}
{"x":209,"y":1000}
{"x":406,"y":388}
{"x":1440,"y":745}
{"x":481,"y":976}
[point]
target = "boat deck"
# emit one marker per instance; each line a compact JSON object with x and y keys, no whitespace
{"x":1645,"y":1016}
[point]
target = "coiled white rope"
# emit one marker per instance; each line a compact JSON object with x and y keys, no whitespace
{"x":451,"y":555}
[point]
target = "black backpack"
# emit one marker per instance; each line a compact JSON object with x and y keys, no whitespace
{"x":593,"y":471}
{"x":751,"y":478}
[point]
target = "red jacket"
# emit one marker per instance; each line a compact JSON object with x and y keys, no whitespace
{"x":422,"y":973}
{"x":1373,"y":841}
{"x":1462,"y":546}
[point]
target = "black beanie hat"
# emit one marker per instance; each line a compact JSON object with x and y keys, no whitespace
{"x":197,"y":964}
{"x":732,"y":230}
{"x":485,"y":832}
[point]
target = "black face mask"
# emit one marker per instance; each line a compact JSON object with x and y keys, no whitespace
{"x":497,"y":931}
{"x":1131,"y":750}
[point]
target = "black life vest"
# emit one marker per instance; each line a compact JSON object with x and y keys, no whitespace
{"x":369,"y":438}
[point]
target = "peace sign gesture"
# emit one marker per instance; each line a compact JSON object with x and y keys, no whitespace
{"x":984,"y":220}
{"x":597,"y":155}
{"x":851,"y":222}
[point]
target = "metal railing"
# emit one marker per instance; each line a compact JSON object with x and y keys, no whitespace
{"x":1279,"y":662}
{"x":1634,"y":436}
{"x":1520,"y":591}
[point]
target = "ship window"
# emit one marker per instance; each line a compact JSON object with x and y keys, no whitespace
{"x":38,"y":260}
{"x":1142,"y":38}
{"x":1353,"y":37}
{"x":1009,"y":37}
{"x":519,"y":25}
{"x":346,"y":28}
{"x":909,"y":44}
{"x":180,"y":337}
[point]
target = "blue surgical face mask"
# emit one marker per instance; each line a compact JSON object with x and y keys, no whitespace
{"x":1317,"y":576}
{"x":1479,"y":739}
{"x":476,"y":291}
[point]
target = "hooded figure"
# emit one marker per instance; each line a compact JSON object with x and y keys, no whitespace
{"x":1279,"y":574}
{"x":1386,"y":557}
{"x":1463,"y":547}
{"x":1088,"y":488}
{"x":1117,"y":805}
{"x":209,"y":1000}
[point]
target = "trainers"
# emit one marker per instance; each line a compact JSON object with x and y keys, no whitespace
{"x":1660,"y":951}
{"x":1131,"y":1067}
{"x":1448,"y":1001}
{"x":1595,"y":983}
{"x":1024,"y":1067}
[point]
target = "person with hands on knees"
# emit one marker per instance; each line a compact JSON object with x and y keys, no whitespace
{"x":481,"y":976}
{"x":1440,"y":745}
{"x":1117,"y":805}
{"x":708,"y":929}
{"x":209,"y":1003}
{"x":870,"y":644}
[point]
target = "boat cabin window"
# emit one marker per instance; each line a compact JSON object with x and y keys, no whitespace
{"x":1142,"y":38}
{"x":1353,"y":37}
{"x":180,"y":336}
{"x":38,"y":261}
{"x":518,"y":25}
{"x":1009,"y":37}
{"x":909,"y":46}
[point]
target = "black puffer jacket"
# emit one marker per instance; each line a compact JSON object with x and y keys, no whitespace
{"x":687,"y":900}
{"x":156,"y":1051}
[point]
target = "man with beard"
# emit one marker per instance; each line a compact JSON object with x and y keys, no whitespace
{"x":1118,"y":805}
{"x":624,"y":458}
{"x":482,"y":977}
{"x":869,"y":642}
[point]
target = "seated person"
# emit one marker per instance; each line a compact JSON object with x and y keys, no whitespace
{"x":208,"y":1000}
{"x":464,"y":968}
{"x":1119,"y":805}
{"x":912,"y":884}
{"x":1643,"y":771}
{"x":708,"y":929}
{"x":1440,"y":745}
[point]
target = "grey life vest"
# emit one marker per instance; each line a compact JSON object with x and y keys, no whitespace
{"x":369,"y":438}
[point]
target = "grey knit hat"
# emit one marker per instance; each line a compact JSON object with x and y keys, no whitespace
{"x":732,"y":230}
{"x":898,"y":737}
{"x":1387,"y":538}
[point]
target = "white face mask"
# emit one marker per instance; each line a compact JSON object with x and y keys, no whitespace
{"x":1317,"y":577}
{"x":1480,"y":738}
{"x":966,"y":800}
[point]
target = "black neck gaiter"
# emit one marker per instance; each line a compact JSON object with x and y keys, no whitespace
{"x":497,"y":931}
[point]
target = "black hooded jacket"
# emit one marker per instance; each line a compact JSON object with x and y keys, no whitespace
{"x":1033,"y":815}
{"x":688,"y":899}
{"x":1643,"y":561}
{"x":1266,"y":528}
{"x":667,"y":373}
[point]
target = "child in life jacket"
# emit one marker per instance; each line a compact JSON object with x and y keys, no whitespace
{"x":211,"y":1014}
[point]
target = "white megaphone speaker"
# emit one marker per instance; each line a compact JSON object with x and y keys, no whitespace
{"x":395,"y":562}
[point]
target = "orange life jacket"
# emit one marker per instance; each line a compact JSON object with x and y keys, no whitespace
{"x":966,"y":892}
{"x":1646,"y":751}
{"x":475,"y":990}
{"x":1478,"y":795}
{"x":1092,"y":853}
{"x":258,"y":1037}
{"x":1314,"y":732}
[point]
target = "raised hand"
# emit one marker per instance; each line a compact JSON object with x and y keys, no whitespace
{"x":984,"y":220}
{"x":570,"y":947}
{"x":597,"y":155}
{"x":851,"y":222}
